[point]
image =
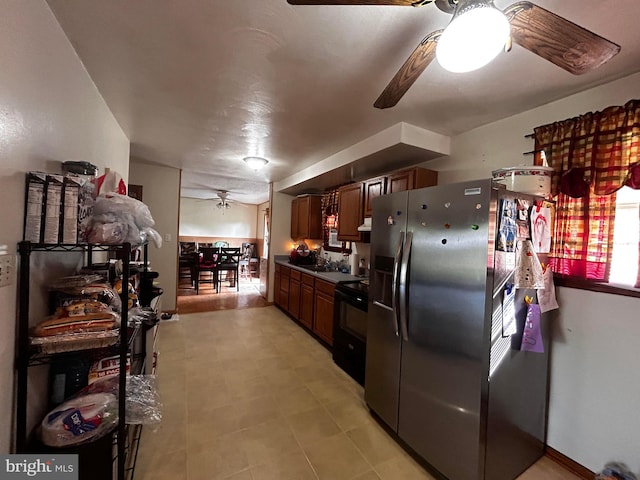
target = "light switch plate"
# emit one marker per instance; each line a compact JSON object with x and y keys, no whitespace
{"x":7,"y":269}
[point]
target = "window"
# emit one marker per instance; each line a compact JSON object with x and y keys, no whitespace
{"x":596,"y":158}
{"x":624,"y":262}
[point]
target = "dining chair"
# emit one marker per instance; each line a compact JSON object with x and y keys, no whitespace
{"x":248,"y":261}
{"x":208,"y":262}
{"x":187,"y":261}
{"x":228,"y":262}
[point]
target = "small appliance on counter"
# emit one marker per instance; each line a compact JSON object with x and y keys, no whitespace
{"x":301,"y":255}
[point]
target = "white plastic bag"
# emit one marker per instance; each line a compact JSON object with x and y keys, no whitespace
{"x":118,"y":218}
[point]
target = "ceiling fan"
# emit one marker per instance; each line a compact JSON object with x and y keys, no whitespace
{"x":478,"y":31}
{"x":223,"y":200}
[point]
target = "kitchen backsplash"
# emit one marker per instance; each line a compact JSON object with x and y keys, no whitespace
{"x":358,"y":251}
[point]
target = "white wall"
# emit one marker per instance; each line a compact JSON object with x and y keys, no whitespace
{"x":595,"y":379}
{"x":201,"y":218}
{"x":280,"y":242}
{"x":50,"y":111}
{"x":260,"y":216}
{"x":161,"y":193}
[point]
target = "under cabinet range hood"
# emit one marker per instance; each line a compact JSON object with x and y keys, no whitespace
{"x":366,"y":226}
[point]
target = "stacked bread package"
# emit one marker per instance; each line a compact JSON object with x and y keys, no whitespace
{"x":86,"y":316}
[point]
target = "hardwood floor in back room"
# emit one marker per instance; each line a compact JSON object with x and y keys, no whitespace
{"x":248,"y":395}
{"x":207,"y":300}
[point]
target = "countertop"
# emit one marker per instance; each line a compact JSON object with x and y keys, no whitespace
{"x":333,"y":277}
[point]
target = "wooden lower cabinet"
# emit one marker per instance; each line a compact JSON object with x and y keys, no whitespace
{"x":277,"y":279}
{"x":306,"y":301}
{"x":323,"y":315}
{"x":284,"y":288}
{"x":294,"y":294}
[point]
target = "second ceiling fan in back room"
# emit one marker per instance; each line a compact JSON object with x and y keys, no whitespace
{"x":478,"y":31}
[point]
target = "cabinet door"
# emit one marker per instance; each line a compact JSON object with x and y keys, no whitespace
{"x":373,"y":188}
{"x":306,"y":305}
{"x":323,"y":322}
{"x":411,"y":179}
{"x":401,"y":181}
{"x":314,"y":217}
{"x":350,"y":212}
{"x":295,"y":226}
{"x":276,"y":288}
{"x":284,"y":287}
{"x":306,"y":217}
{"x":323,"y":315}
{"x":294,"y":293}
{"x":303,"y":217}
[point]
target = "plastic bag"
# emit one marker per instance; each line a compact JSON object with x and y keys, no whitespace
{"x":83,"y":418}
{"x":77,"y":288}
{"x":143,"y":402}
{"x":616,"y":471}
{"x":110,"y":182}
{"x":118,"y":219}
{"x":143,"y":316}
{"x":132,"y":296}
{"x":82,"y":316}
{"x":74,"y":281}
{"x":72,"y":342}
{"x":122,"y":205}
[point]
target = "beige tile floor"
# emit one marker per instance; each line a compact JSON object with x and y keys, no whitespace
{"x":248,"y":395}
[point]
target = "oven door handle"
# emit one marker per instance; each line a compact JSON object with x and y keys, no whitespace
{"x":395,"y":303}
{"x":382,"y":305}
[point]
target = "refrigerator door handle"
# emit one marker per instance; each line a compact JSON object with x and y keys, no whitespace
{"x":403,"y":286}
{"x":394,"y":283}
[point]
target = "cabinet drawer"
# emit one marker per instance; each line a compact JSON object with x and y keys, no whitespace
{"x":307,"y":279}
{"x":278,"y":268}
{"x":325,"y":287}
{"x":295,"y":274}
{"x":285,"y":272}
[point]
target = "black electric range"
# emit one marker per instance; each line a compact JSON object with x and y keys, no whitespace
{"x":350,"y":327}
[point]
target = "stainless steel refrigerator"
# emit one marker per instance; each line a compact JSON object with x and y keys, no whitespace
{"x":439,"y":371}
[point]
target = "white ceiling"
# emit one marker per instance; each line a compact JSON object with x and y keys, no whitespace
{"x":200,"y":84}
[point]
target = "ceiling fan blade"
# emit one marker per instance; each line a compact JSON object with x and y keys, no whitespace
{"x":421,"y":57}
{"x":401,"y":3}
{"x":556,"y":39}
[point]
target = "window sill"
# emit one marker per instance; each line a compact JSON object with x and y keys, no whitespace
{"x":582,"y":284}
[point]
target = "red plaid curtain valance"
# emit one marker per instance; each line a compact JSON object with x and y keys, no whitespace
{"x":598,"y":151}
{"x":593,"y":155}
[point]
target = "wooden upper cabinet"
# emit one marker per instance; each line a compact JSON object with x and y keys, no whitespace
{"x":350,"y":212}
{"x":295,"y":228}
{"x":306,"y":217}
{"x":373,"y":188}
{"x":411,"y":179}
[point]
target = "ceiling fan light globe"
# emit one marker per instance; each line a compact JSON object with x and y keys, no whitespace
{"x":474,"y":37}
